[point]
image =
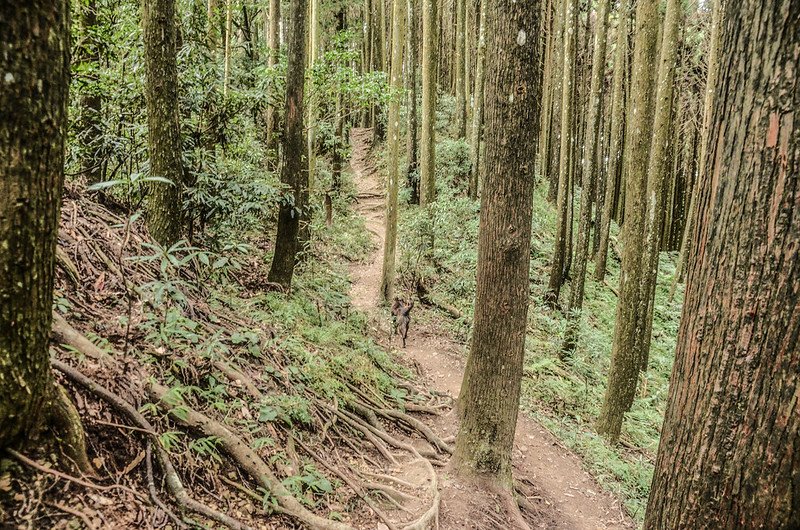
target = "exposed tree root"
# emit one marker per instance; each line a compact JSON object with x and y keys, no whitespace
{"x":246,"y":458}
{"x":173,"y":480}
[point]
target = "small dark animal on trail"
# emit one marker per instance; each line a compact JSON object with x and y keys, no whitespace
{"x":401,"y":318}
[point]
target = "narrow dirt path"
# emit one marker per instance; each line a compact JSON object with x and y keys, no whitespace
{"x":566,"y":496}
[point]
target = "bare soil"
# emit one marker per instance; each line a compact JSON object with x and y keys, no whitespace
{"x":560,"y":493}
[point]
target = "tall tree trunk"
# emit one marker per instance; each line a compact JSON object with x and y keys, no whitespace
{"x":91,"y":104}
{"x":428,"y":143}
{"x":552,"y":139}
{"x":657,"y":174}
{"x":294,"y":171}
{"x":570,"y":16}
{"x":212,"y":30}
{"x":390,"y":241}
{"x":477,"y":114}
{"x":549,"y":25}
{"x":615,"y":161}
{"x":729,"y":454}
{"x":711,"y":84}
{"x":461,"y":101}
{"x":491,"y":386}
{"x":589,"y":158}
{"x":164,"y":202}
{"x":273,"y":41}
{"x":226,"y":75}
{"x":33,"y":121}
{"x":625,"y":360}
{"x":412,"y":172}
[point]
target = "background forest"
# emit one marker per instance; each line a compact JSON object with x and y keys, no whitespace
{"x":592,"y":218}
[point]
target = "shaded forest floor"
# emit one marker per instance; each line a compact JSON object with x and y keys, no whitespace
{"x":559,"y":492}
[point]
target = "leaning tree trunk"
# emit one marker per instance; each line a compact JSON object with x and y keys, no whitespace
{"x":570,"y":16}
{"x":427,"y":145}
{"x":33,"y":120}
{"x":623,"y":375}
{"x":491,"y":386}
{"x":390,"y":241}
{"x":477,"y":116}
{"x":163,"y":126}
{"x":729,"y":453}
{"x":293,"y":171}
{"x":590,"y":156}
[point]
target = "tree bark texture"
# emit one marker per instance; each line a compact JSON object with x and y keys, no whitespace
{"x":34,"y":76}
{"x":729,"y":455}
{"x":427,"y":144}
{"x":477,"y":115}
{"x":412,"y":156}
{"x":490,"y":392}
{"x":294,"y":170}
{"x":164,"y":202}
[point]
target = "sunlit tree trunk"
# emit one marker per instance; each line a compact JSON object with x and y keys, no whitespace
{"x":412,"y":157}
{"x":427,"y":145}
{"x":589,"y":168}
{"x":570,"y":15}
{"x":729,"y":454}
{"x":490,"y":391}
{"x":164,"y":201}
{"x":33,"y":121}
{"x":477,"y":114}
{"x":625,"y":360}
{"x":390,"y":241}
{"x":617,"y":131}
{"x":294,"y":170}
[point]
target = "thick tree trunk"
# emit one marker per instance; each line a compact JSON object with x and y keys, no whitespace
{"x":491,"y":387}
{"x":615,"y":158}
{"x":427,"y":147}
{"x":412,"y":172}
{"x":570,"y":15}
{"x":294,"y":171}
{"x":729,"y":454}
{"x":477,"y":114}
{"x":589,"y":168}
{"x":657,"y":174}
{"x":164,"y":202}
{"x":33,"y":121}
{"x":625,"y":359}
{"x":390,"y":241}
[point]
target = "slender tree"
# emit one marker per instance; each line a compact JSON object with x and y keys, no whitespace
{"x":412,"y":172}
{"x":729,"y":454}
{"x":461,"y":50}
{"x":294,"y":170}
{"x":226,"y":75}
{"x":91,"y":102}
{"x":589,"y":168}
{"x":557,"y":266}
{"x":273,"y":42}
{"x":163,"y":123}
{"x":625,"y":360}
{"x":427,"y":144}
{"x":390,"y":241}
{"x":491,"y":387}
{"x":34,"y":61}
{"x":477,"y":114}
{"x":617,"y":137}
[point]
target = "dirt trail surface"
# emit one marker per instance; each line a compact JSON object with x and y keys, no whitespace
{"x":565,"y":496}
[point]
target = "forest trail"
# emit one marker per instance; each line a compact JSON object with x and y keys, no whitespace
{"x":566,"y":496}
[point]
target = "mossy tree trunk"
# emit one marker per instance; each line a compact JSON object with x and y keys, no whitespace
{"x":615,"y":158}
{"x":427,"y":144}
{"x":34,"y":70}
{"x":729,"y":454}
{"x":477,"y":114}
{"x":412,"y":171}
{"x":589,"y":168}
{"x":294,"y":172}
{"x":623,"y":375}
{"x":570,"y":16}
{"x":396,"y":79}
{"x":164,"y":202}
{"x":490,"y":392}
